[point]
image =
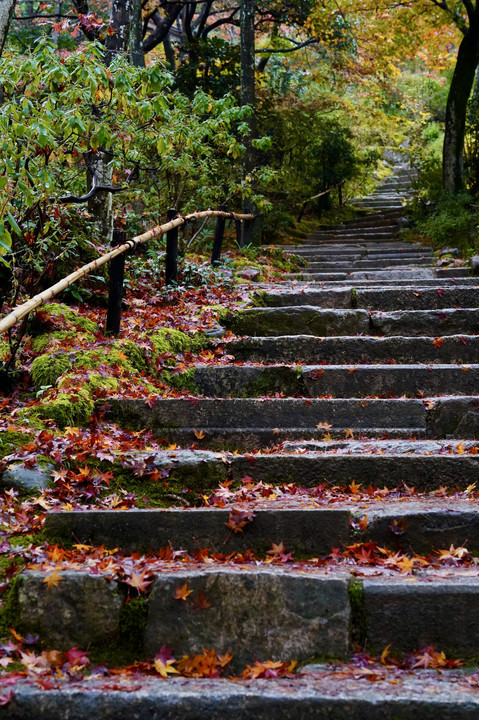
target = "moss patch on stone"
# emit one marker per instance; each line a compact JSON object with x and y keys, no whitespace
{"x":10,"y":439}
{"x":49,"y":342}
{"x":47,"y":369}
{"x":168,"y":340}
{"x":73,"y":408}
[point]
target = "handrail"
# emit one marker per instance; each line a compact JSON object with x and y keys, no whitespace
{"x":25,"y":308}
{"x":315,"y":197}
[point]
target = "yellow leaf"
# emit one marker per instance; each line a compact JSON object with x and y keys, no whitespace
{"x":165,"y":669}
{"x":53,"y":579}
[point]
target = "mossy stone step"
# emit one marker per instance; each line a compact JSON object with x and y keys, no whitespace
{"x":319,"y":322}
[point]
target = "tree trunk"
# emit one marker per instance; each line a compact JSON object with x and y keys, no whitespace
{"x":118,"y":34}
{"x":6,"y":12}
{"x":137,"y":54}
{"x":100,"y":206}
{"x":456,"y":109}
{"x":248,"y":98}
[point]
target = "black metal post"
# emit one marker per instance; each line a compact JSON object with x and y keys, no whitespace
{"x":219,"y":234}
{"x":115,"y":289}
{"x":171,"y":266}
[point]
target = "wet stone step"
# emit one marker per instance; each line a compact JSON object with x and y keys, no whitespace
{"x":311,"y":320}
{"x":336,"y":380}
{"x":315,"y":693}
{"x":413,"y":297}
{"x":415,"y":526}
{"x":353,"y":350}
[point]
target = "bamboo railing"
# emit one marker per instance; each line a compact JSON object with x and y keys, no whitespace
{"x":167,"y":228}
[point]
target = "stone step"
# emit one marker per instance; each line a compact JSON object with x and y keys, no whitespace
{"x":360,"y":235}
{"x":265,"y":419}
{"x":350,"y":266}
{"x":344,"y":281}
{"x":310,"y":528}
{"x":354,"y":350}
{"x":354,"y":248}
{"x":424,"y":464}
{"x":383,"y":276}
{"x":315,"y":693}
{"x":390,"y":298}
{"x":311,"y":320}
{"x":286,"y":613}
{"x":250,"y":423}
{"x":340,"y":381}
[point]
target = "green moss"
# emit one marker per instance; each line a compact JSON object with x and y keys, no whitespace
{"x":66,"y":409}
{"x":133,"y":620}
{"x":10,"y":439}
{"x":66,"y":315}
{"x":4,"y":350}
{"x":9,"y":608}
{"x":259,"y":299}
{"x":358,"y":619}
{"x":50,"y":341}
{"x":47,"y":369}
{"x":25,"y":540}
{"x":167,"y":340}
{"x":181,"y":381}
{"x":354,"y":298}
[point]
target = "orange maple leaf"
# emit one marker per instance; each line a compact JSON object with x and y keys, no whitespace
{"x":182,"y":593}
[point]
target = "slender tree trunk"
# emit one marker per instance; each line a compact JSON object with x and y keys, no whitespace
{"x":137,"y":54}
{"x":248,"y":8}
{"x":101,"y":205}
{"x":6,"y":12}
{"x":456,"y":109}
{"x":118,"y":34}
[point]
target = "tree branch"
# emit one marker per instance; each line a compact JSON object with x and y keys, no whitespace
{"x":298,"y":46}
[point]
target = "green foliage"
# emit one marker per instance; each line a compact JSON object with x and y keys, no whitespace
{"x":176,"y":151}
{"x":451,"y":220}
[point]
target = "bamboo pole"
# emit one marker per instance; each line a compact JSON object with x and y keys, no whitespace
{"x":33,"y":303}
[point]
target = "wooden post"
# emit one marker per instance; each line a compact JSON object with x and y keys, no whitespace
{"x":171,"y":266}
{"x":239,"y":232}
{"x":219,"y":233}
{"x":115,"y":290}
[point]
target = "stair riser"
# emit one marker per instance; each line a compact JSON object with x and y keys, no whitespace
{"x":389,"y":299}
{"x":340,"y":382}
{"x":354,"y":350}
{"x":260,"y":613}
{"x":304,"y":532}
{"x":349,"y":266}
{"x":262,"y":322}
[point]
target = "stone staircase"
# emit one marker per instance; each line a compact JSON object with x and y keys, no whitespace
{"x":361,"y":371}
